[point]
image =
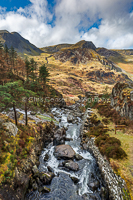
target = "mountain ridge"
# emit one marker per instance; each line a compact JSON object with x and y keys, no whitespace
{"x":20,"y":44}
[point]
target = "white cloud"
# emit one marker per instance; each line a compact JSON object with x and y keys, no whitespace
{"x":33,"y":22}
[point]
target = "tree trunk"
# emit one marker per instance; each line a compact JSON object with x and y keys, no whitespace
{"x":26,"y":120}
{"x":15,"y":114}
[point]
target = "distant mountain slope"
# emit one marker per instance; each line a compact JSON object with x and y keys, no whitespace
{"x":81,"y":44}
{"x":81,"y":52}
{"x":20,"y":44}
{"x":55,"y":48}
{"x":77,"y":68}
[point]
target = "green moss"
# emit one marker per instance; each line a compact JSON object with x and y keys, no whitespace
{"x":47,"y":118}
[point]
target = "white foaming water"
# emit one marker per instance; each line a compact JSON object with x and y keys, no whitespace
{"x":74,"y":135}
{"x":86,"y":155}
{"x":85,"y":165}
{"x":83,"y":181}
{"x":22,"y":111}
{"x":53,"y":162}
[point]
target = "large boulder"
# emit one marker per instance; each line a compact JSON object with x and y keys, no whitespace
{"x":71,"y":165}
{"x":12,"y":129}
{"x":64,"y":151}
{"x":59,"y":136}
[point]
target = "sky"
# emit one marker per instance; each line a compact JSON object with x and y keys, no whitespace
{"x":107,"y":23}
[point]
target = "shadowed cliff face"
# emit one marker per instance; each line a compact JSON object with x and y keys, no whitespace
{"x":107,"y":53}
{"x":20,"y":44}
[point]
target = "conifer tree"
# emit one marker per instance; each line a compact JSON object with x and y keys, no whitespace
{"x":11,"y":94}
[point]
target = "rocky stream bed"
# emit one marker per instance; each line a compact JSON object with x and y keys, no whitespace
{"x":66,"y":170}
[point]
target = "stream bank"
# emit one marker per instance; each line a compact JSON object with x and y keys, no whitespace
{"x":116,"y":185}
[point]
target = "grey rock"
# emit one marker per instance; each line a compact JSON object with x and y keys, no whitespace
{"x":59,"y":136}
{"x":35,"y":169}
{"x":46,"y":157}
{"x":94,"y":185}
{"x":70,"y":119}
{"x":12,"y":129}
{"x":11,"y":115}
{"x":46,"y":178}
{"x":71,"y":165}
{"x":50,"y":169}
{"x":74,"y":179}
{"x":64,"y":151}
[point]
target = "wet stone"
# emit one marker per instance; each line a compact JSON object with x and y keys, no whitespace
{"x":64,"y":151}
{"x":47,"y":177}
{"x":71,"y":165}
{"x":78,"y":157}
{"x":70,"y":119}
{"x":50,"y":169}
{"x":46,"y":157}
{"x":94,"y":185}
{"x":74,"y":179}
{"x":35,"y":169}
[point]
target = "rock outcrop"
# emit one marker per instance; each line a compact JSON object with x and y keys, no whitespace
{"x":122,"y":99}
{"x":11,"y":129}
{"x":59,"y":137}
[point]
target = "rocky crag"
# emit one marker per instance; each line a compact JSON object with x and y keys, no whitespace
{"x":122,"y":99}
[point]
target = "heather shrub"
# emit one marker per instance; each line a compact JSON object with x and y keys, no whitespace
{"x":110,"y":146}
{"x":101,"y":140}
{"x":105,"y":121}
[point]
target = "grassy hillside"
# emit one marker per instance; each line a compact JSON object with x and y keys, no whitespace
{"x":72,"y":80}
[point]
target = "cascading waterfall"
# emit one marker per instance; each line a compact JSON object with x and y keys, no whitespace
{"x":62,"y":187}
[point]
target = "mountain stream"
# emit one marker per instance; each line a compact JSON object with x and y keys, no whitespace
{"x":90,"y":182}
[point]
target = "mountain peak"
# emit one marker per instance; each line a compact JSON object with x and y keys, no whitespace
{"x":20,"y":44}
{"x":84,"y":44}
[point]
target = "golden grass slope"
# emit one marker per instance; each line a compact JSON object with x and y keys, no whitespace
{"x":72,"y":80}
